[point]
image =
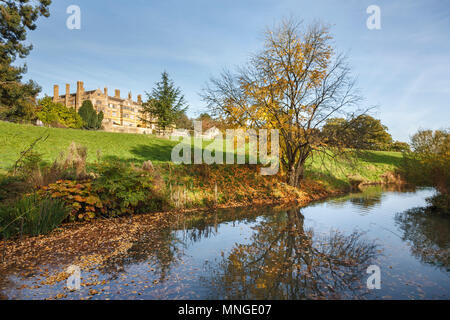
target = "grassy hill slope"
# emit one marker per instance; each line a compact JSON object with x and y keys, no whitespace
{"x":14,"y":138}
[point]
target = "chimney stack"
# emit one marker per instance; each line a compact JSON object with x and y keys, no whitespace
{"x":67,"y":95}
{"x":105,"y":90}
{"x":78,"y":95}
{"x":55,"y":92}
{"x":117,"y":93}
{"x":139,"y":97}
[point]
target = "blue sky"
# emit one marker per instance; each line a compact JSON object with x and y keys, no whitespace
{"x":404,"y":68}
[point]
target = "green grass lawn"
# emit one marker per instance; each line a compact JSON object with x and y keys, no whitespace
{"x":368,"y":166}
{"x":15,"y":138}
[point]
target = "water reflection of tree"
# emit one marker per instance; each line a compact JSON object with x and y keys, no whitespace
{"x":366,"y":202}
{"x":160,"y":249}
{"x":428,"y":235}
{"x":367,"y":199}
{"x":284,"y":261}
{"x":163,"y":248}
{"x":200,"y":227}
{"x":370,"y":196}
{"x":205,"y":225}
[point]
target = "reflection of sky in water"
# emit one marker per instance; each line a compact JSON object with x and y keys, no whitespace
{"x":223,"y":240}
{"x":398,"y":266}
{"x":346,"y":215}
{"x":403,"y":274}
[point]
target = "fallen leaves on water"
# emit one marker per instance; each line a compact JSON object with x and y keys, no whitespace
{"x":86,"y":245}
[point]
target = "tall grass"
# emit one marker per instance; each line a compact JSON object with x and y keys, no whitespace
{"x":31,"y":216}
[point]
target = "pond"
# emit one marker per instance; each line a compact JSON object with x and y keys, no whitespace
{"x":316,"y":252}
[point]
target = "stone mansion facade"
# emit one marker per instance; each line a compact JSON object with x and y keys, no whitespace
{"x":120,"y":114}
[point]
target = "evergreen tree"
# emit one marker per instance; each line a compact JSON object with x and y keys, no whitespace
{"x":100,"y":117}
{"x":16,"y":17}
{"x":91,"y":119}
{"x":166,"y":103}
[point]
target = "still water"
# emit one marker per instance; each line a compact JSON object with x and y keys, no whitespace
{"x":321,"y":251}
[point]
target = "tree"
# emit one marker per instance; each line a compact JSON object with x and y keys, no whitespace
{"x":429,"y":161}
{"x":336,"y":132}
{"x":16,"y":17}
{"x":363,"y":132}
{"x":294,"y":85}
{"x":208,"y":122}
{"x":427,"y":142}
{"x":183,"y":122}
{"x":369,"y":133}
{"x":91,"y":119}
{"x":400,"y":146}
{"x":55,"y":114}
{"x":166,"y":103}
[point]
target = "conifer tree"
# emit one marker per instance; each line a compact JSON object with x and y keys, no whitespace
{"x":166,"y":103}
{"x":16,"y":18}
{"x":91,"y":119}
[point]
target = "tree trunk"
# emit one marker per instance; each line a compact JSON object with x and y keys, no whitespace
{"x":291,"y":175}
{"x":295,"y":174}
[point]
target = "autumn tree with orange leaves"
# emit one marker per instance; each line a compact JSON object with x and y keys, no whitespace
{"x":294,"y":84}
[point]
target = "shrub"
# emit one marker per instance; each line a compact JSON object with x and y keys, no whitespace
{"x":32,"y":171}
{"x":31,"y":215}
{"x":125,"y":189}
{"x":84,"y":204}
{"x":440,"y":203}
{"x":12,"y":187}
{"x":73,"y":162}
{"x":36,"y":173}
{"x":28,"y":164}
{"x":119,"y":189}
{"x":56,"y":114}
